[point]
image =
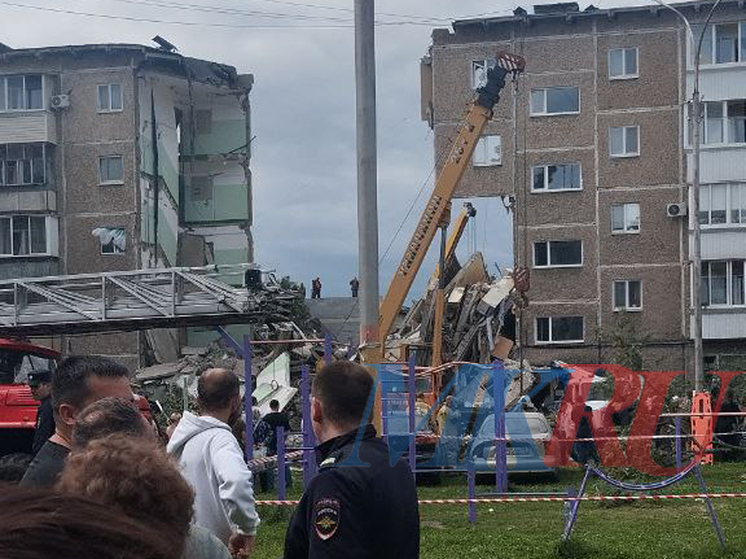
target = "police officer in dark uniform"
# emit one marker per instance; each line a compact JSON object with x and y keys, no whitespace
{"x":358,"y":505}
{"x":40,"y":383}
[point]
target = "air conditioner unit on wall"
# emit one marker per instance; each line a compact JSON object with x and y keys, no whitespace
{"x":676,"y":210}
{"x":60,"y":101}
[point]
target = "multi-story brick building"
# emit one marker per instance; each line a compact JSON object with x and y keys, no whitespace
{"x":120,"y":157}
{"x":589,"y":147}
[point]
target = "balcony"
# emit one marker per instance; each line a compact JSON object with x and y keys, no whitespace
{"x":723,"y":323}
{"x":21,"y":127}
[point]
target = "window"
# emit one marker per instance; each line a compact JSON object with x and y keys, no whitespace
{"x":24,"y":235}
{"x":21,"y":93}
{"x":479,"y":70}
{"x":555,"y":100}
{"x":725,"y":122}
{"x":723,"y":283}
{"x":623,"y":63}
{"x":113,"y":239}
{"x":625,"y":218}
{"x":547,"y":178}
{"x":110,"y":169}
{"x":488,"y":151}
{"x":722,"y":43}
{"x":550,"y":254}
{"x":22,"y":164}
{"x":559,"y":329}
{"x":722,"y":204}
{"x":109,"y":98}
{"x":201,"y":190}
{"x":624,"y":141}
{"x":627,"y":295}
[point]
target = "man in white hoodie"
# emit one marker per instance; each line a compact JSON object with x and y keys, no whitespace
{"x":211,"y":461}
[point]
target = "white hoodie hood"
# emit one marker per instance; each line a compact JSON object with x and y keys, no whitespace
{"x":210,"y":459}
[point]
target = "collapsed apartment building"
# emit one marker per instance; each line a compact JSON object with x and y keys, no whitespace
{"x":120,"y":157}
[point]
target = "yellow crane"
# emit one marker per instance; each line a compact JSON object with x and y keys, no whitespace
{"x":436,"y":212}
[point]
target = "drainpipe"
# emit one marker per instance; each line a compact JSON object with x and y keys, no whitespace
{"x":154,"y":147}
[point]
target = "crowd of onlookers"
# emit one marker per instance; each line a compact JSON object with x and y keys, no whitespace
{"x":106,"y":484}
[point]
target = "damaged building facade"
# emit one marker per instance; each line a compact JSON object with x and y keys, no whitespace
{"x":590,"y":150}
{"x":120,"y":157}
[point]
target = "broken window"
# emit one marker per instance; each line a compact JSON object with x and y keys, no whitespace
{"x":625,"y":218}
{"x":559,"y":329}
{"x":110,"y":169}
{"x":109,"y":98}
{"x":23,"y":235}
{"x":623,"y":63}
{"x":488,"y":151}
{"x":479,"y":69}
{"x":22,"y":164}
{"x":556,"y":177}
{"x":624,"y":141}
{"x":549,"y":254}
{"x":555,"y":100}
{"x":113,"y":239}
{"x":628,"y":295}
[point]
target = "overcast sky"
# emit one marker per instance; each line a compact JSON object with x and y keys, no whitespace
{"x":303,"y":114}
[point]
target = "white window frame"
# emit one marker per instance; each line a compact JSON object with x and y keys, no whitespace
{"x":625,"y":131}
{"x":728,"y":285}
{"x":725,"y":125}
{"x":626,"y":307}
{"x":544,"y":112}
{"x":4,"y":87}
{"x":625,"y":207}
{"x":102,"y":182}
{"x":52,"y":237}
{"x":116,"y":250}
{"x":706,"y":192}
{"x":487,"y":63}
{"x":109,"y":109}
{"x":713,"y":44}
{"x":484,"y":147}
{"x":625,"y":75}
{"x":551,"y":341}
{"x":546,"y":189}
{"x":549,"y":255}
{"x":3,"y":184}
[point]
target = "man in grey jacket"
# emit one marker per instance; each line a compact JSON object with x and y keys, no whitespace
{"x":211,"y":461}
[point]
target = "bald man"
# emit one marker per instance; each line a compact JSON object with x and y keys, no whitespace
{"x":211,"y":461}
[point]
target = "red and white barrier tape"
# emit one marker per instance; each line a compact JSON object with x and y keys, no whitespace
{"x":517,"y":499}
{"x":271,"y":460}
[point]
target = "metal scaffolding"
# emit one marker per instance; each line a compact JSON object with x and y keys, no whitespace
{"x":126,"y":301}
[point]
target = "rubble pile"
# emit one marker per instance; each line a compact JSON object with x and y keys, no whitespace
{"x":479,"y":322}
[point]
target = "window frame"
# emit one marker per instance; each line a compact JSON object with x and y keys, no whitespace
{"x":544,"y":112}
{"x":625,"y":75}
{"x":116,"y":251}
{"x":712,"y":42}
{"x":707,"y":285}
{"x":551,"y":341}
{"x":729,"y":208}
{"x":724,"y":122}
{"x":549,"y":255}
{"x":102,"y":182}
{"x":50,"y":236}
{"x":487,"y":63}
{"x":626,"y":307}
{"x":32,"y":166}
{"x":483,"y":140}
{"x":546,"y":189}
{"x":625,"y":218}
{"x":102,"y":110}
{"x":24,"y":97}
{"x":626,"y":154}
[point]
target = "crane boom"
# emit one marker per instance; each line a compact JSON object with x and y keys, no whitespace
{"x":462,"y":149}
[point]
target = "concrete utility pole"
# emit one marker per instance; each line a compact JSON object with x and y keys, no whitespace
{"x":367,"y":171}
{"x":696,"y":116}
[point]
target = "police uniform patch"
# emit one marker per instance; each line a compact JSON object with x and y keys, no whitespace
{"x":327,"y":517}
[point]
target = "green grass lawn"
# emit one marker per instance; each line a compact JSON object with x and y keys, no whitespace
{"x":645,"y":530}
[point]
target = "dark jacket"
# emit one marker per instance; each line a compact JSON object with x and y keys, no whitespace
{"x":352,"y":510}
{"x":44,"y":424}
